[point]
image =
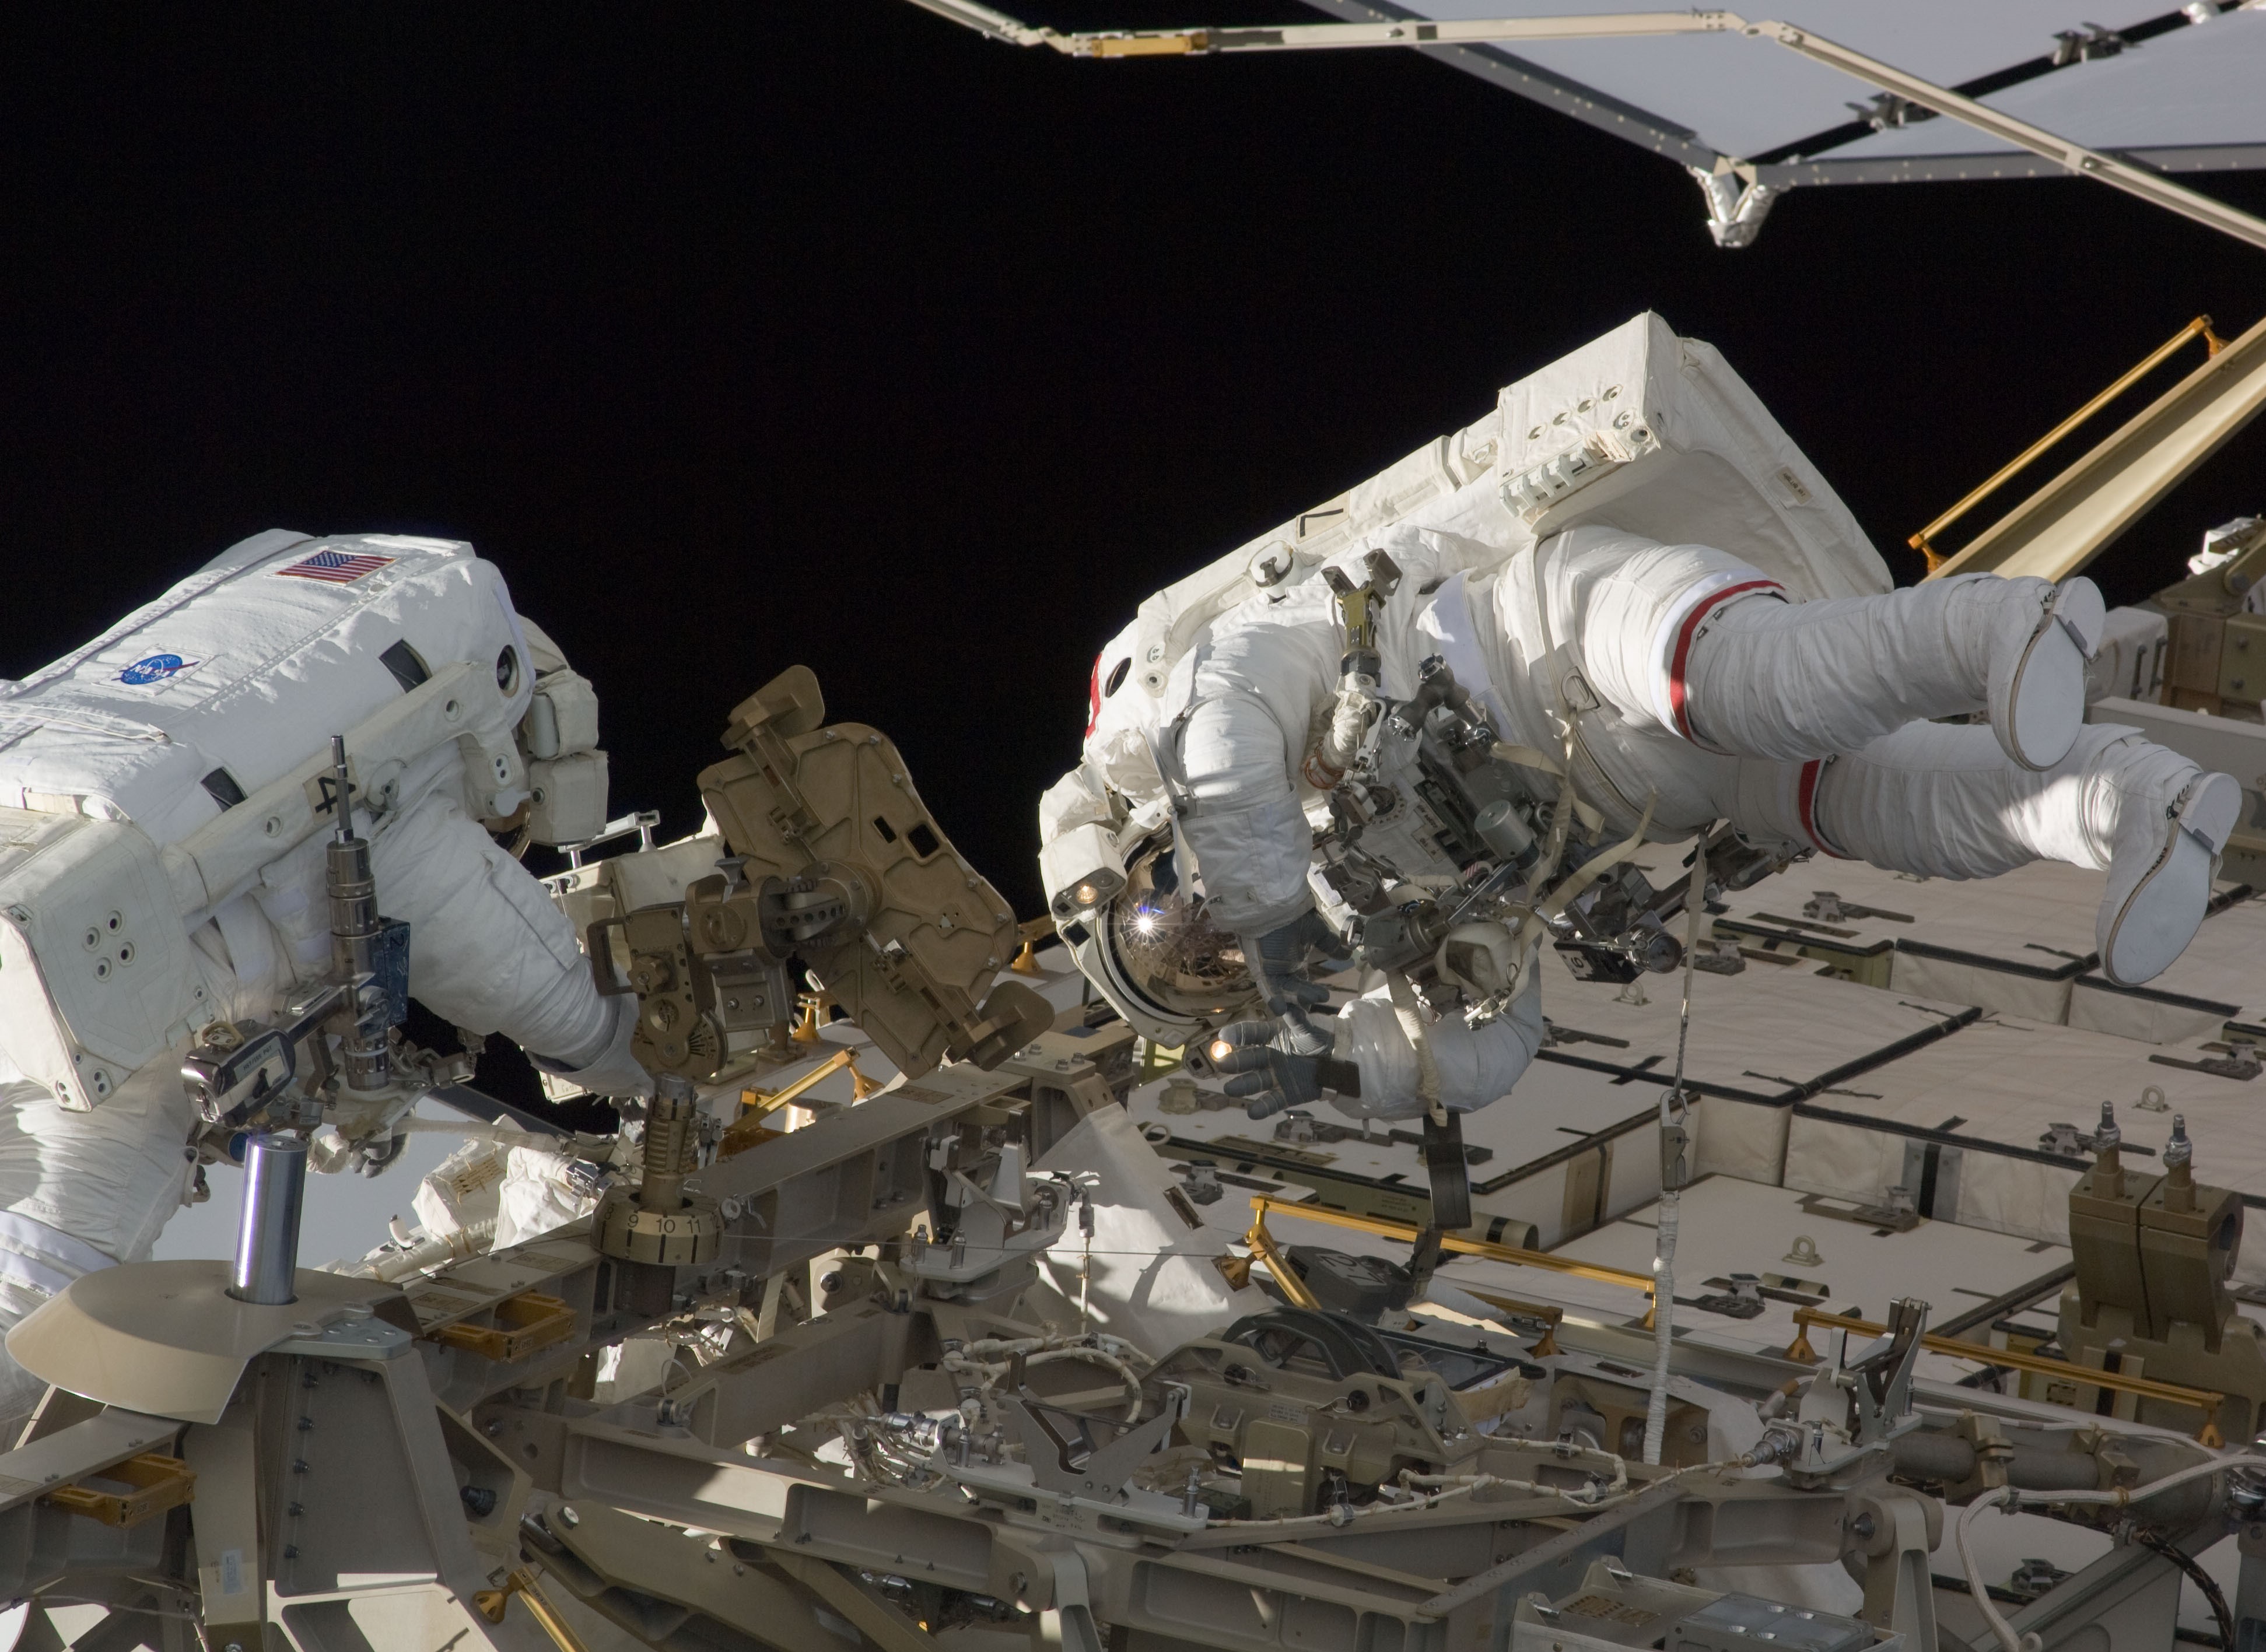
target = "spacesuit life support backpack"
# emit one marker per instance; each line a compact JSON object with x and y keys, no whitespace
{"x":1638,"y":430}
{"x":147,"y":777}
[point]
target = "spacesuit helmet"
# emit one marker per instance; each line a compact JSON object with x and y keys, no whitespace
{"x":1155,"y":954}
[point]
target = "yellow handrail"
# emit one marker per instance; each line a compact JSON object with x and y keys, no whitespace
{"x":1287,"y":1278}
{"x":1923,"y":541}
{"x":757,"y":1104}
{"x":1386,"y":1228}
{"x":490,"y":1603}
{"x":2013,"y":1359}
{"x":1262,"y":1245}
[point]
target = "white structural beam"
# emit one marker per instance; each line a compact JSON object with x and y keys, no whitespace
{"x":2153,"y":187}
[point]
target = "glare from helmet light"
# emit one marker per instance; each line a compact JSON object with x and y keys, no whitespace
{"x":1171,"y":954}
{"x":1220,"y":1049}
{"x":1087,"y":894}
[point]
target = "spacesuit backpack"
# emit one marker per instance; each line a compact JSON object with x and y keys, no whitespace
{"x":148,"y":778}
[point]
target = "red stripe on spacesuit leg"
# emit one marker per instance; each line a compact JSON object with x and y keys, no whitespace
{"x":1683,"y":636}
{"x":1805,"y":799}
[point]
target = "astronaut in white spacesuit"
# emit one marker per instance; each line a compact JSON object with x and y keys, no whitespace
{"x":170,"y":729}
{"x":1687,"y":687}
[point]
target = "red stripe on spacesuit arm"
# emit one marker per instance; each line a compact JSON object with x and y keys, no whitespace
{"x":1678,"y":703}
{"x":1806,"y":804}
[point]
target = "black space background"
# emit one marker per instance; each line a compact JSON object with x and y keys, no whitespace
{"x":746,"y":333}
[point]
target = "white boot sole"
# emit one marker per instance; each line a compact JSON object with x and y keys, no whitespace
{"x":2045,"y":699}
{"x":2153,"y":925}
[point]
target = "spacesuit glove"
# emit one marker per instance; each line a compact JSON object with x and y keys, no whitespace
{"x":1274,"y":960}
{"x":613,"y":1071}
{"x":1270,"y":1076}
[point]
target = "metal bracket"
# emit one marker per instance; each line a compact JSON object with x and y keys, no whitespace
{"x":159,"y":1482}
{"x":1737,"y":204}
{"x":523,"y":1324}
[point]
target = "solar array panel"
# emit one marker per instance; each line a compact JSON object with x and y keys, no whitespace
{"x":2176,"y":89}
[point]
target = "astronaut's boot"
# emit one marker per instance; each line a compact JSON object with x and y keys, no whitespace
{"x":2038,"y":671}
{"x":2172,"y":823}
{"x":1782,"y":680}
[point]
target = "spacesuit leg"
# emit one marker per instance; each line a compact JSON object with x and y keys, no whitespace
{"x":1696,"y":641}
{"x":1802,"y":679}
{"x":1939,"y":801}
{"x":80,"y":1191}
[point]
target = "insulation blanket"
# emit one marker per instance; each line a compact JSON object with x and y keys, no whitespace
{"x":1153,"y":1279}
{"x":2007,"y":1084}
{"x":1770,"y":1032}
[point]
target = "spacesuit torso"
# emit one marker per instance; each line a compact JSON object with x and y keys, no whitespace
{"x":1590,"y":666}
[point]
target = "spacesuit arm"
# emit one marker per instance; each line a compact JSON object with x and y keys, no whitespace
{"x":489,"y":951}
{"x":1237,"y":749}
{"x":1478,"y":1065}
{"x":1245,"y":827}
{"x":1078,"y":799}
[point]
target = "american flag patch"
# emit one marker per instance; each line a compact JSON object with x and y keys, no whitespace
{"x":335,"y":567}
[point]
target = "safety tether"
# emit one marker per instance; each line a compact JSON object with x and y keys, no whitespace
{"x":1675,"y":1170}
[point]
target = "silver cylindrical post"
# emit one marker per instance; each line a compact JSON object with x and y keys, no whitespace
{"x":355,"y":926}
{"x":268,"y":1231}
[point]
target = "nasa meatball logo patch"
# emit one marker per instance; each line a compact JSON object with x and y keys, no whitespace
{"x":156,"y":667}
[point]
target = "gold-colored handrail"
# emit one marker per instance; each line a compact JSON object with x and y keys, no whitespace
{"x":490,"y":1603}
{"x":757,"y":1104}
{"x":1287,"y":1278}
{"x":2038,"y":1364}
{"x":1384,"y":1227}
{"x":1923,"y":541}
{"x":1031,"y":933}
{"x":1263,"y":1247}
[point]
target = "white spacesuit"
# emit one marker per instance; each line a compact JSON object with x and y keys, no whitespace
{"x":1685,"y":688}
{"x":1421,"y":723}
{"x":176,"y":744}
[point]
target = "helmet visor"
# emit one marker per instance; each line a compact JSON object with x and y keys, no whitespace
{"x":1167,"y":946}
